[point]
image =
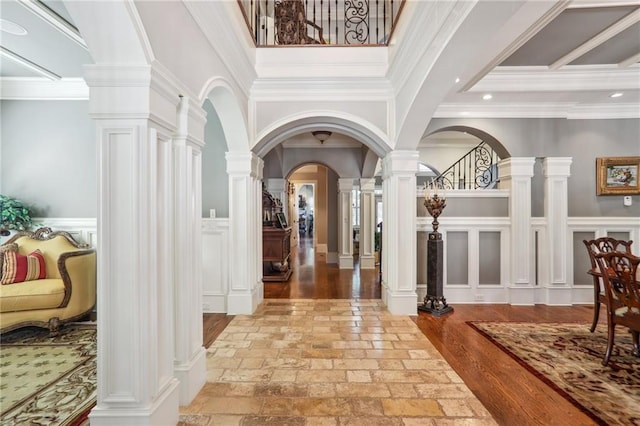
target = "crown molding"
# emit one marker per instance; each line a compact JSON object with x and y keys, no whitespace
{"x":570,"y":78}
{"x":36,"y":88}
{"x":25,"y":63}
{"x":568,"y":110}
{"x":56,"y":21}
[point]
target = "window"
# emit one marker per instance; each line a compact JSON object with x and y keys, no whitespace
{"x":355,"y":208}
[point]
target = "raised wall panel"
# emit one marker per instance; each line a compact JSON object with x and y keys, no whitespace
{"x":489,"y":258}
{"x":581,"y":263}
{"x":457,"y":255}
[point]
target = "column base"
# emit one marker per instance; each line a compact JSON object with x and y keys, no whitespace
{"x":558,"y":295}
{"x":345,"y":262}
{"x":163,"y":411}
{"x":245,"y":303}
{"x":367,"y":262}
{"x":524,"y":295}
{"x":192,"y":376}
{"x":401,"y":303}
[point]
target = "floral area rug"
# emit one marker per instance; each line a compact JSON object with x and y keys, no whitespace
{"x":47,"y":380}
{"x":569,"y":359}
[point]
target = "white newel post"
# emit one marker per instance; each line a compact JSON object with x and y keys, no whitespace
{"x":345,"y":224}
{"x":399,"y":240}
{"x":367,"y":223}
{"x":190,"y":355}
{"x":556,"y":210}
{"x":515,"y":175}
{"x":135,"y":295}
{"x":245,"y":234}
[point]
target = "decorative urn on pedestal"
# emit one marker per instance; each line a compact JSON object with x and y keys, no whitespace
{"x":434,"y":302}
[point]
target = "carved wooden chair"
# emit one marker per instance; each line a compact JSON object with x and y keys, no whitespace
{"x":601,"y":245}
{"x":619,"y":271}
{"x":292,"y":25}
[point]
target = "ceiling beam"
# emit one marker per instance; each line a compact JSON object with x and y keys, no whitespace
{"x":56,"y":21}
{"x":519,"y":41}
{"x":583,"y":4}
{"x":597,"y":40}
{"x":630,"y":61}
{"x":4,"y":52}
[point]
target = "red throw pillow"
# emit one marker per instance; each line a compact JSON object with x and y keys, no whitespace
{"x":18,"y":268}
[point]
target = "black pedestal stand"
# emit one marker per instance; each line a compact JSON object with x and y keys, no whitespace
{"x":434,"y":302}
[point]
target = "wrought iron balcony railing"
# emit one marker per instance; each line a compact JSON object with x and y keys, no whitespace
{"x":321,"y":22}
{"x":477,"y":169}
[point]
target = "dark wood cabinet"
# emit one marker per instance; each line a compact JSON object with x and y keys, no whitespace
{"x":276,"y":248}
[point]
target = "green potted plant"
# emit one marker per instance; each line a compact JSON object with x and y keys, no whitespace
{"x":14,"y":215}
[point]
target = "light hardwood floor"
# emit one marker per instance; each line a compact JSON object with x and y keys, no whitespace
{"x":510,"y":393}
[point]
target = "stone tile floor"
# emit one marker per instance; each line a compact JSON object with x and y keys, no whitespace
{"x":329,"y":362}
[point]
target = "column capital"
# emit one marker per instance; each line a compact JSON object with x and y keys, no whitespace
{"x":133,"y":92}
{"x":345,"y":184}
{"x":244,"y":163}
{"x":400,"y":162}
{"x":516,"y":167}
{"x":191,"y":122}
{"x":368,"y":184}
{"x":557,"y":166}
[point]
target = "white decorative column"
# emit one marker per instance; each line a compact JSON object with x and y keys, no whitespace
{"x":556,"y":210}
{"x":399,"y":239}
{"x":515,"y":174}
{"x":134,"y":116}
{"x":245,"y":234}
{"x":367,"y":223}
{"x":190,"y":356}
{"x":345,"y":224}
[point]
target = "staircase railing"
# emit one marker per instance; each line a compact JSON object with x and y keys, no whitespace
{"x":477,"y":169}
{"x":326,"y":22}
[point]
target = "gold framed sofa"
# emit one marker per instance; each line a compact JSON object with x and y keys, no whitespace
{"x":56,"y":280}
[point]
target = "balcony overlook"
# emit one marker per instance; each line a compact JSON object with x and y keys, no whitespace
{"x":281,"y":23}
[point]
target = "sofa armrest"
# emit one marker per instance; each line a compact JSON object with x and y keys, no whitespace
{"x":78,"y":272}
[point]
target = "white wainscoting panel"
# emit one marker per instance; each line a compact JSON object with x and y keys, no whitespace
{"x":215,"y":264}
{"x":84,"y":230}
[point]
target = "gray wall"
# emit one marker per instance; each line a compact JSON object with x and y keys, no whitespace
{"x":215,"y":181}
{"x":583,"y":140}
{"x":469,"y":207}
{"x":48,"y":157}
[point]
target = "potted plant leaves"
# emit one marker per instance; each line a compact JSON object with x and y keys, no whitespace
{"x":14,"y":215}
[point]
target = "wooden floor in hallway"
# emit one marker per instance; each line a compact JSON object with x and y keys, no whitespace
{"x":314,"y":278}
{"x":508,"y":391}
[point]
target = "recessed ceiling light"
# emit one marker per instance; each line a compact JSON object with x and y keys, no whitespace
{"x":12,"y":28}
{"x":616,"y":95}
{"x":487,"y":97}
{"x":458,"y":80}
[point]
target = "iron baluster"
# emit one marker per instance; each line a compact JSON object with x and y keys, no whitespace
{"x":329,"y":16}
{"x":337,"y":22}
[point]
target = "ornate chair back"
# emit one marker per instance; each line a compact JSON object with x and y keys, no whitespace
{"x":601,"y":245}
{"x":619,"y":271}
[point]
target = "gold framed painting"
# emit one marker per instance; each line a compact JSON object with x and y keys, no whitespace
{"x":617,"y":175}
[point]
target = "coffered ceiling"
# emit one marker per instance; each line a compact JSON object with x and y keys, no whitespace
{"x":568,"y":67}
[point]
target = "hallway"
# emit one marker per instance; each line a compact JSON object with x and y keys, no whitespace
{"x":313,"y":278}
